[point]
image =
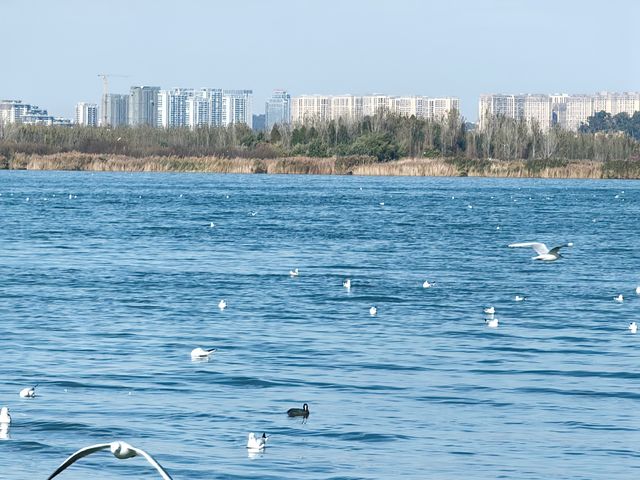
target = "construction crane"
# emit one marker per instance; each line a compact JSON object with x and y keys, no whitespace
{"x":105,"y":92}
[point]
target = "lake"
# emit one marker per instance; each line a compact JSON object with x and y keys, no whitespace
{"x":109,"y":280}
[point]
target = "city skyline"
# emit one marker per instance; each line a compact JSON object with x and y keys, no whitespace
{"x":189,"y":107}
{"x":400,"y":48}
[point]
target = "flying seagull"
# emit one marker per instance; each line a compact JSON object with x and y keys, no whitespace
{"x":543,"y":252}
{"x":120,"y":450}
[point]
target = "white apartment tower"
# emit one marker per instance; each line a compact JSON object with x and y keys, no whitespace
{"x":86,"y":114}
{"x":566,"y":111}
{"x":172,"y":107}
{"x":236,"y":107}
{"x":308,"y":108}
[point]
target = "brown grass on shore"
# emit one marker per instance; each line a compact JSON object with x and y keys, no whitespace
{"x":436,"y":167}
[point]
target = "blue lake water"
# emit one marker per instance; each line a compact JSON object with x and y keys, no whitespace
{"x":108,"y":281}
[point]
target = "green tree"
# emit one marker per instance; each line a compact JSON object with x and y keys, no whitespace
{"x":275,"y":136}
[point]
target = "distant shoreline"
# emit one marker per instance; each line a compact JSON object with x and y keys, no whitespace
{"x":431,"y":167}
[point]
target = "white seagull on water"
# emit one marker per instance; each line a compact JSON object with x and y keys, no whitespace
{"x":491,"y":322}
{"x":543,"y":252}
{"x":28,"y":392}
{"x":120,"y":450}
{"x":428,"y":284}
{"x":294,"y":272}
{"x":633,"y":327}
{"x":490,"y":310}
{"x":373,"y":311}
{"x":4,"y":415}
{"x":222,"y":304}
{"x":255,"y":443}
{"x":199,"y":353}
{"x":619,"y":298}
{"x":347,"y":283}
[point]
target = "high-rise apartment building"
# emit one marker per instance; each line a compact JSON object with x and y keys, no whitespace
{"x":307,"y":108}
{"x":172,"y":107}
{"x":277,"y":109}
{"x":236,"y":107}
{"x":566,"y":111}
{"x":86,"y":114}
{"x":143,"y":106}
{"x":188,"y":107}
{"x":116,"y":110}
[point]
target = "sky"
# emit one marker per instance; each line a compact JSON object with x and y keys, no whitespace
{"x":53,"y":51}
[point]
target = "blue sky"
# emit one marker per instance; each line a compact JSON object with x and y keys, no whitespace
{"x":53,"y":50}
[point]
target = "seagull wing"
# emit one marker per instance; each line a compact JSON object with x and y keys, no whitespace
{"x":78,"y":455}
{"x":555,"y":250}
{"x":152,"y":461}
{"x":540,"y":248}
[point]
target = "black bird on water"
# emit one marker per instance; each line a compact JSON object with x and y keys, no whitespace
{"x":299,"y":412}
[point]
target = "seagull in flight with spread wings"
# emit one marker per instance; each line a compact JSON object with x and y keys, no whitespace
{"x":543,"y":252}
{"x":120,"y":450}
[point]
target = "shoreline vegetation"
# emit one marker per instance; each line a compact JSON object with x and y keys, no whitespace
{"x":383,"y":144}
{"x":430,"y":167}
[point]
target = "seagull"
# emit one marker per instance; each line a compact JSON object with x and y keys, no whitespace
{"x":619,"y":298}
{"x":373,"y":311}
{"x":428,"y":284}
{"x":490,"y":310}
{"x":120,"y":450}
{"x":543,"y":252}
{"x":519,"y":298}
{"x":347,"y":283}
{"x":633,"y":328}
{"x":491,"y":322}
{"x":4,"y":415}
{"x":294,"y":272}
{"x":638,"y":290}
{"x":299,"y":412}
{"x":254,"y":443}
{"x":4,"y":431}
{"x":222,"y":304}
{"x":28,"y":392}
{"x":199,"y":352}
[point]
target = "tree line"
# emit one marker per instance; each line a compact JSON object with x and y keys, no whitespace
{"x":382,"y":137}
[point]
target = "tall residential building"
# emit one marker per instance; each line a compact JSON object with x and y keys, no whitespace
{"x":307,"y":108}
{"x":373,"y":104}
{"x":277,"y":109}
{"x":143,"y":106}
{"x":204,"y":108}
{"x":86,"y":114}
{"x":236,"y":107}
{"x":116,"y":110}
{"x":172,"y":107}
{"x":566,"y":111}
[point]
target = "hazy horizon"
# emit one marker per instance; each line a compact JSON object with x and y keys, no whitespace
{"x":462,"y":49}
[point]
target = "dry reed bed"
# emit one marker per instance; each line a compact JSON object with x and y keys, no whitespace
{"x":435,"y":167}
